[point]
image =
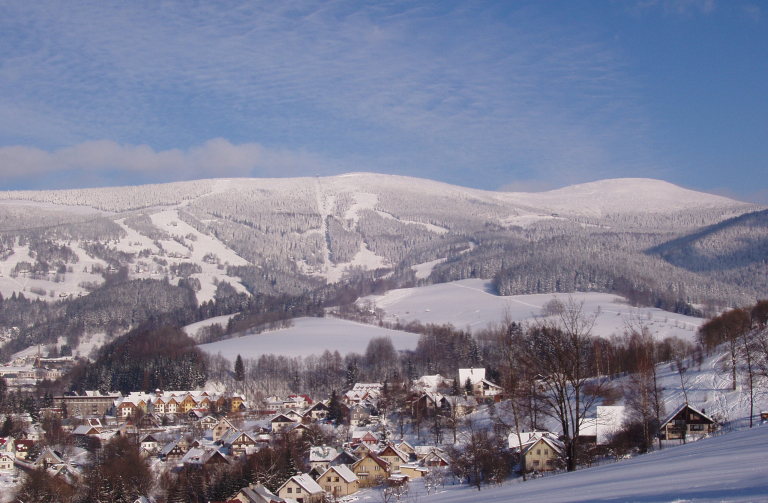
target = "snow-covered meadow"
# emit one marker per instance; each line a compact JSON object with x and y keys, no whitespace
{"x":310,"y":336}
{"x":473,"y":303}
{"x":728,"y":468}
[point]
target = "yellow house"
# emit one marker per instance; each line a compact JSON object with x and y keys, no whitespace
{"x":302,"y":489}
{"x":542,"y":454}
{"x":394,"y":457}
{"x":339,"y":481}
{"x":371,"y":470}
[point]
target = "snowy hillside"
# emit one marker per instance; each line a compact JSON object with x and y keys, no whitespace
{"x":620,"y":195}
{"x":729,"y":468}
{"x":290,"y":235}
{"x":473,"y":303}
{"x":310,"y":336}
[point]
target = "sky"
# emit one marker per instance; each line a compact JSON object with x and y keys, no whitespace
{"x":518,"y":95}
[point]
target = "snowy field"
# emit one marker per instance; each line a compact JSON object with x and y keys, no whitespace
{"x":729,"y":468}
{"x":473,"y":303}
{"x":192,"y":329}
{"x":310,"y":336}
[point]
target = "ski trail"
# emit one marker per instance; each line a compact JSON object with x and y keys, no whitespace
{"x":321,"y":208}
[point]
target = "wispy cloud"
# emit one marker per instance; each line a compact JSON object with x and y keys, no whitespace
{"x":476,"y":93}
{"x":216,"y":157}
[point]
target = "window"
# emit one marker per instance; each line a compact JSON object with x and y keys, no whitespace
{"x":536,"y":463}
{"x":546,"y":452}
{"x":327,"y":489}
{"x":298,"y":490}
{"x":336,"y":479}
{"x":328,"y":479}
{"x":538,"y":452}
{"x":290,"y":490}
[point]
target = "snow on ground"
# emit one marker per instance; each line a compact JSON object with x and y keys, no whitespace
{"x":192,"y":329}
{"x":728,"y":468}
{"x":619,"y":195}
{"x":425,"y":269}
{"x":474,"y":303}
{"x":169,"y":221}
{"x":365,"y":258}
{"x":69,"y":286}
{"x":310,"y":336}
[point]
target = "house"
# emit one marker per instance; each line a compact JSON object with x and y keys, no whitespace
{"x":294,"y":415}
{"x":321,"y":457}
{"x":297,"y":402}
{"x":345,"y":458}
{"x":359,"y":414}
{"x":686,"y":420}
{"x":149,"y":443}
{"x":208,"y":422}
{"x":6,"y":461}
{"x":257,"y":494}
{"x":239,"y":442}
{"x":371,"y":470}
{"x":86,"y":430}
{"x":279,"y":422}
{"x":203,"y":458}
{"x":413,"y":470}
{"x":364,"y":437}
{"x":435,"y":458}
{"x":481,"y":387}
{"x":316,"y":412}
{"x":407,"y":448}
{"x":302,"y":489}
{"x":221,"y":428}
{"x":174,"y":451}
{"x":541,"y":452}
{"x":150,"y":422}
{"x":48,"y":457}
{"x":339,"y":481}
{"x":394,"y":456}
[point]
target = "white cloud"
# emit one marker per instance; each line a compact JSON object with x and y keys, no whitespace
{"x":217,"y":157}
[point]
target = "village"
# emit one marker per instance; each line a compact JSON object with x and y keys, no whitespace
{"x":375,"y":436}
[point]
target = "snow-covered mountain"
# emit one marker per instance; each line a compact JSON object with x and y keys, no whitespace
{"x":295,"y":234}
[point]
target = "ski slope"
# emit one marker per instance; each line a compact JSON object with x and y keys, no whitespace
{"x":473,"y":303}
{"x":310,"y":336}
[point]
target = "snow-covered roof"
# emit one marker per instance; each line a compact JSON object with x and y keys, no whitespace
{"x":344,"y":472}
{"x":322,"y":453}
{"x":306,"y":482}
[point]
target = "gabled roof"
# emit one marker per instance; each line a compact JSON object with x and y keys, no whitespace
{"x":260,"y":494}
{"x":199,"y":457}
{"x":306,"y":482}
{"x":281,"y":418}
{"x":390,"y":450}
{"x":690,"y":407}
{"x":381,"y":462}
{"x":234,"y":435}
{"x":51,"y":454}
{"x":555,"y":445}
{"x":344,"y":472}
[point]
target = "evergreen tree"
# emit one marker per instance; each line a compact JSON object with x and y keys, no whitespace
{"x":334,"y":408}
{"x":353,"y":373}
{"x":468,"y":386}
{"x":239,"y":369}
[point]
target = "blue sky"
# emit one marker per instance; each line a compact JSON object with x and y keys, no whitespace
{"x":515,"y":95}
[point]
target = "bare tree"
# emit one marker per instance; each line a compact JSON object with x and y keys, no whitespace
{"x":643,"y":395}
{"x":558,"y":350}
